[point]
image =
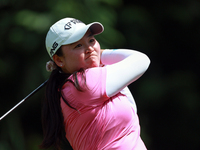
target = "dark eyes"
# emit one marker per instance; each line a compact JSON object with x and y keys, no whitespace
{"x":79,"y":45}
{"x":90,"y":41}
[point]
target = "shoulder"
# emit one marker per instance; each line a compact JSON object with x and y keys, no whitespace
{"x":95,"y":72}
{"x":93,"y":88}
{"x":92,"y":77}
{"x":95,"y":76}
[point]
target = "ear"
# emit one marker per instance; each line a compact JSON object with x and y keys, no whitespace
{"x":58,"y":60}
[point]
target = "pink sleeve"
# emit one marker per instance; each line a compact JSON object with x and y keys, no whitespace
{"x":94,"y":93}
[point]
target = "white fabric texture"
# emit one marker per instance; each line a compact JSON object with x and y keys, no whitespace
{"x":123,"y":67}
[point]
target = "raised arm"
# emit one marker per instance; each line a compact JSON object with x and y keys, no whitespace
{"x":123,"y":67}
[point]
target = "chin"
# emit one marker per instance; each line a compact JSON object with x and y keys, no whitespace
{"x":94,"y":65}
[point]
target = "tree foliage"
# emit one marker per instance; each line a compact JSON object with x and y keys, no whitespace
{"x":167,"y":95}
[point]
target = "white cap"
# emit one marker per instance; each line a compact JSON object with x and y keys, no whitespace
{"x":67,"y":31}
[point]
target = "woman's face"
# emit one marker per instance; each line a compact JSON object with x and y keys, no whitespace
{"x":84,"y":53}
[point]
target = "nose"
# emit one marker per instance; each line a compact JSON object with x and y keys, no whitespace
{"x":89,"y":49}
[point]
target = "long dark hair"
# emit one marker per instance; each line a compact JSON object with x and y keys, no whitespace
{"x":52,"y":118}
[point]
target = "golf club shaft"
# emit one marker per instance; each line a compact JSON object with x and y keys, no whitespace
{"x":28,"y":96}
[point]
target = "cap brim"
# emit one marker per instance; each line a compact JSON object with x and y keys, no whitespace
{"x":95,"y":28}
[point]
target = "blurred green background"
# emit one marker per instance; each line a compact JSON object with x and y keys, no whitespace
{"x":167,"y":95}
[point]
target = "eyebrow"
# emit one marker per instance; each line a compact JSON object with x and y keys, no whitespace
{"x":73,"y":43}
{"x":91,"y":34}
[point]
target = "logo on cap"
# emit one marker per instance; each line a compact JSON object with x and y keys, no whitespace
{"x":69,"y":24}
{"x":54,"y":46}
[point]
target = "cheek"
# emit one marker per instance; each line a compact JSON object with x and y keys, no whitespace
{"x":97,"y":48}
{"x":96,"y":60}
{"x":97,"y":45}
{"x":75,"y":61}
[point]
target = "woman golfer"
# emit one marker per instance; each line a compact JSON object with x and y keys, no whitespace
{"x":87,"y":99}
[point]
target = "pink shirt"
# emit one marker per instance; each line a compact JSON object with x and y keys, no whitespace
{"x":101,"y":122}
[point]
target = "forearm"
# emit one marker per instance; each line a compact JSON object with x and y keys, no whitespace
{"x":111,"y":56}
{"x":123,"y":68}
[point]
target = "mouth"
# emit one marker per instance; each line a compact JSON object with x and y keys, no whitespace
{"x":89,"y":56}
